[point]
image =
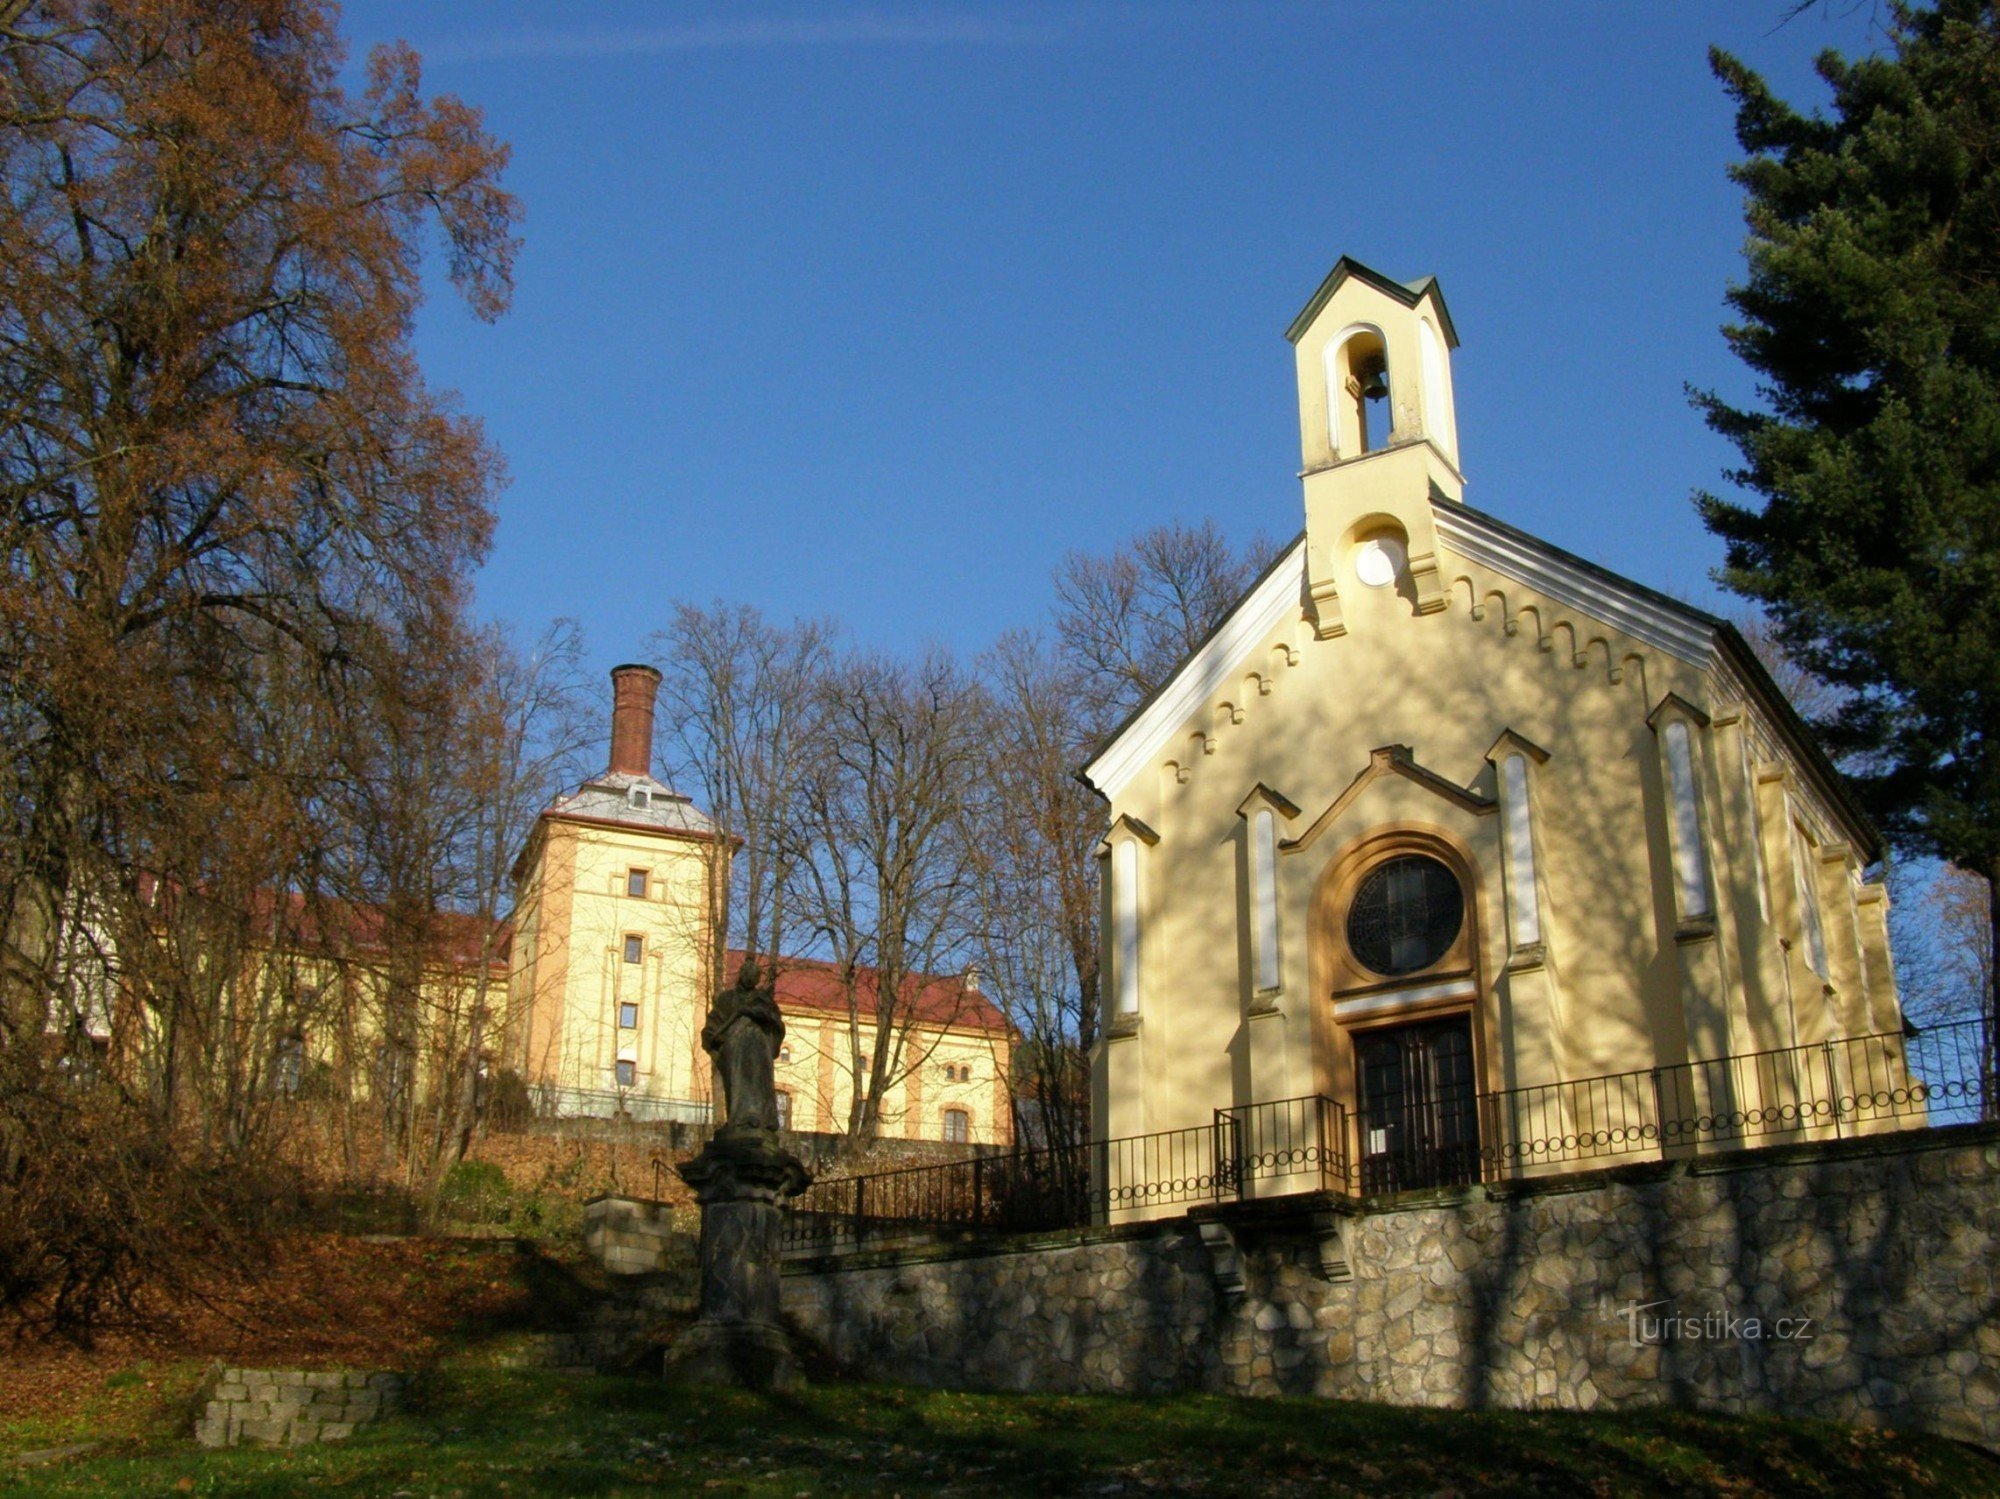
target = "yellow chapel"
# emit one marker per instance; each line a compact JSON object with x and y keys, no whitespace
{"x":1495,"y":852}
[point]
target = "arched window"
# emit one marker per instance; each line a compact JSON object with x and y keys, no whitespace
{"x":1690,"y":854}
{"x":1431,"y":356}
{"x":957,"y":1127}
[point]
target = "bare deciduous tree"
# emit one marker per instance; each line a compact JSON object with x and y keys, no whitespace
{"x":742,"y":697}
{"x":1126,"y":620}
{"x":888,"y":883}
{"x":1032,"y":833}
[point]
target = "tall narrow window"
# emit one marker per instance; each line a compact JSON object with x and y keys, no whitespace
{"x":635,"y":883}
{"x":957,"y":1126}
{"x":1690,"y":862}
{"x":626,"y":1072}
{"x":1264,"y":895}
{"x":784,"y":1103}
{"x":1811,"y":927}
{"x":1125,"y":909}
{"x":1430,"y":353}
{"x":1523,"y":903}
{"x":628,"y":1017}
{"x":1756,"y":831}
{"x":635,"y":948}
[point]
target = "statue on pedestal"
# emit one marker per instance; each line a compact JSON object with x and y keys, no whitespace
{"x":740,"y":1178}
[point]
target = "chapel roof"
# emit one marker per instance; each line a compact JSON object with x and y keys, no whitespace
{"x":1662,"y":621}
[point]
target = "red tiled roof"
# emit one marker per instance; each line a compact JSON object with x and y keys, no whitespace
{"x":931,"y":999}
{"x":456,"y":937}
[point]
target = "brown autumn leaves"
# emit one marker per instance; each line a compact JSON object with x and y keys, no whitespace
{"x":239,"y":529}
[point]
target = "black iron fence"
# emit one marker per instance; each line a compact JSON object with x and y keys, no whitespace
{"x":1819,"y":1091}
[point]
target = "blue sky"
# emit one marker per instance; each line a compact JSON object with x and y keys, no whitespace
{"x":873,"y":311}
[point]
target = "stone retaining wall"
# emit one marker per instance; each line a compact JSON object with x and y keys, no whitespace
{"x":1856,"y":1280}
{"x":629,"y":1236}
{"x":292,"y":1407}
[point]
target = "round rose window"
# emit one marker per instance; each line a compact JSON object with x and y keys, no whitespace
{"x":1405,"y":916}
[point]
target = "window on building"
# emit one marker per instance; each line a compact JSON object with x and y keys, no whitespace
{"x":784,"y":1053}
{"x":639,"y":798}
{"x":290,"y":1065}
{"x":1406,"y":916}
{"x":628,"y":1017}
{"x":635,"y":883}
{"x":1813,"y":929}
{"x":627,"y":1073}
{"x":957,"y":1126}
{"x":1264,"y":895}
{"x":784,"y":1101}
{"x":635,"y":948}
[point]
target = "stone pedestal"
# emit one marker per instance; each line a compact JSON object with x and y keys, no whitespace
{"x":740,"y":1178}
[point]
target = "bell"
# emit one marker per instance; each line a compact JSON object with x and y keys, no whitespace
{"x":1374,"y":381}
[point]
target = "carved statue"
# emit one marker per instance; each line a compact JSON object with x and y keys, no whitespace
{"x":743,"y":1033}
{"x":740,"y":1178}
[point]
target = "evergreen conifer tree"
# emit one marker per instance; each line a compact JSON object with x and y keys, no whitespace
{"x":1871,"y":314}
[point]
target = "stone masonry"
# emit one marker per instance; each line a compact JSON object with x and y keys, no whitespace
{"x":1856,"y":1280}
{"x":289,"y":1407}
{"x":629,"y":1236}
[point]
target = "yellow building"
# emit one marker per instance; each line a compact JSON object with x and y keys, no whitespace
{"x":1478,"y":850}
{"x":950,"y":1084}
{"x":618,"y":918}
{"x":618,"y":898}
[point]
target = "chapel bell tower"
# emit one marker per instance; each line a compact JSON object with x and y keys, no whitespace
{"x":1377,"y":435}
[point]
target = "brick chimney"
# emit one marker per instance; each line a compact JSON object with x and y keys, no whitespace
{"x":633,"y":689}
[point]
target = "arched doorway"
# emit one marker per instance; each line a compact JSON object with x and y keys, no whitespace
{"x":1401,"y":991}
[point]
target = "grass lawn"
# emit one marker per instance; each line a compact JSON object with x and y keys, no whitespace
{"x":479,"y":1431}
{"x":450,"y":1312}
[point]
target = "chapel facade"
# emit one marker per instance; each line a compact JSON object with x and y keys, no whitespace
{"x":1458,"y":831}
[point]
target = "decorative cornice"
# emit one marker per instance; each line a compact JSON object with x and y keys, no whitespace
{"x":1132,"y":827}
{"x":1278,"y":802}
{"x":1674,"y":705}
{"x":1215,"y":662}
{"x":1660,"y":622}
{"x":1510,"y":740}
{"x":1347,"y":268}
{"x":1393,"y":759}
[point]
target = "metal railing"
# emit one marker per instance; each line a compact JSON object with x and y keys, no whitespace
{"x":1819,"y":1091}
{"x":553,"y":1101}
